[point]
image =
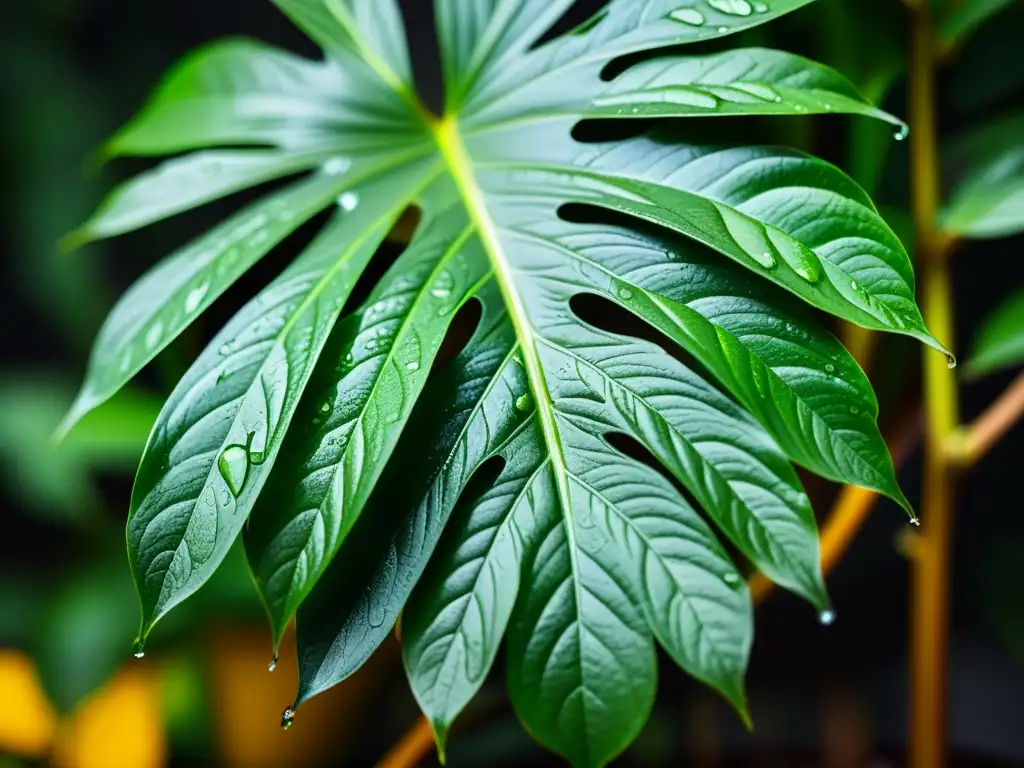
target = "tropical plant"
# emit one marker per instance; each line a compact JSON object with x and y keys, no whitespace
{"x":641,"y":345}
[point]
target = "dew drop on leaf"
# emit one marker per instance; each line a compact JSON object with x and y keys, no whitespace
{"x":154,"y":334}
{"x":234,"y":466}
{"x":732,"y":7}
{"x":915,"y":521}
{"x":722,"y":30}
{"x":195,"y":297}
{"x":950,"y":361}
{"x":690,"y":16}
{"x":854,"y":410}
{"x":625,"y":294}
{"x":901,"y":132}
{"x":273,"y":663}
{"x":760,"y":8}
{"x":337,"y":166}
{"x":827,"y":617}
{"x":732,"y":579}
{"x":348,"y":201}
{"x":286,"y":718}
{"x":765,"y":259}
{"x":138,"y":648}
{"x":412,"y":366}
{"x":829,"y":368}
{"x":524,"y":402}
{"x":225,"y":350}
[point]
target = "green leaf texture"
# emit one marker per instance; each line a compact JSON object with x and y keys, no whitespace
{"x":564,"y":481}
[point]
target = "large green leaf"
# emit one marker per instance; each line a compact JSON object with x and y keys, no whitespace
{"x":988,"y":198}
{"x":958,"y":18}
{"x":557,"y":462}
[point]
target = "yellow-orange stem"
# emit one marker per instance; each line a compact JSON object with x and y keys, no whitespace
{"x":971,"y":443}
{"x":930,"y":567}
{"x":412,"y":749}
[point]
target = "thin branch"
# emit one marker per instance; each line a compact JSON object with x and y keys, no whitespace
{"x":970,"y":444}
{"x":412,"y":749}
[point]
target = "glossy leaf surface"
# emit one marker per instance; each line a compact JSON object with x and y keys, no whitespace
{"x":645,"y":346}
{"x":1000,"y":342}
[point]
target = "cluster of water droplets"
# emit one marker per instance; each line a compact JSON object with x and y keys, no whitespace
{"x":693,"y":17}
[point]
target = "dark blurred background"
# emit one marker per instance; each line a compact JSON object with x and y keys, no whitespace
{"x":71,"y":71}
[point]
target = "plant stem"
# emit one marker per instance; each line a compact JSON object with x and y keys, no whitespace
{"x":969,"y":444}
{"x":412,"y":749}
{"x":930,"y":566}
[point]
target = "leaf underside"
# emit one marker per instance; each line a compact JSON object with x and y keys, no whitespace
{"x":561,"y":481}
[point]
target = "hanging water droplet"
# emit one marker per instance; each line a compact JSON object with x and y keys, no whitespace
{"x":765,"y":259}
{"x":827,"y":617}
{"x":524,"y":402}
{"x":138,"y":648}
{"x":348,"y":201}
{"x":234,"y":467}
{"x":273,"y":663}
{"x":829,"y":368}
{"x":412,"y":366}
{"x":902,"y":131}
{"x":287,"y":717}
{"x":337,"y":166}
{"x":732,"y":7}
{"x":915,"y":521}
{"x":625,"y":294}
{"x":690,"y":16}
{"x":950,"y":361}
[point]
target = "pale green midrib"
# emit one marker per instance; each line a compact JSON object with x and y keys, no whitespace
{"x":279,"y":338}
{"x":452,"y":149}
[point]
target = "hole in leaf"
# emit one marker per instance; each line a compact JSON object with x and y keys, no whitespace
{"x":383,"y":260}
{"x":460,"y":332}
{"x":606,"y":315}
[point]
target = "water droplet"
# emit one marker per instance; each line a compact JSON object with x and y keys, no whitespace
{"x":760,"y":8}
{"x":722,"y":30}
{"x":442,"y":287}
{"x":915,"y":521}
{"x":234,"y":467}
{"x":273,"y":663}
{"x":286,"y":215}
{"x":286,"y":718}
{"x":225,"y":350}
{"x":827,"y":617}
{"x":829,"y":368}
{"x":337,"y":166}
{"x":625,"y":294}
{"x":524,"y":402}
{"x":138,"y":648}
{"x":154,"y":334}
{"x":800,"y":108}
{"x":259,"y":238}
{"x":732,"y":7}
{"x":777,"y":99}
{"x":902,"y":131}
{"x":732,"y":579}
{"x":854,"y":410}
{"x":828,"y":107}
{"x":690,"y":16}
{"x":325,"y":408}
{"x":348,"y":201}
{"x":765,"y":259}
{"x":412,"y":365}
{"x":950,"y":361}
{"x":853,"y":285}
{"x":195,"y":297}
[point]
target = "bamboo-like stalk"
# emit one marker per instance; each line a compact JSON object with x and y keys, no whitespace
{"x":930,"y":564}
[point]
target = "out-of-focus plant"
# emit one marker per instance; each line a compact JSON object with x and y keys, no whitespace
{"x":519,"y":465}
